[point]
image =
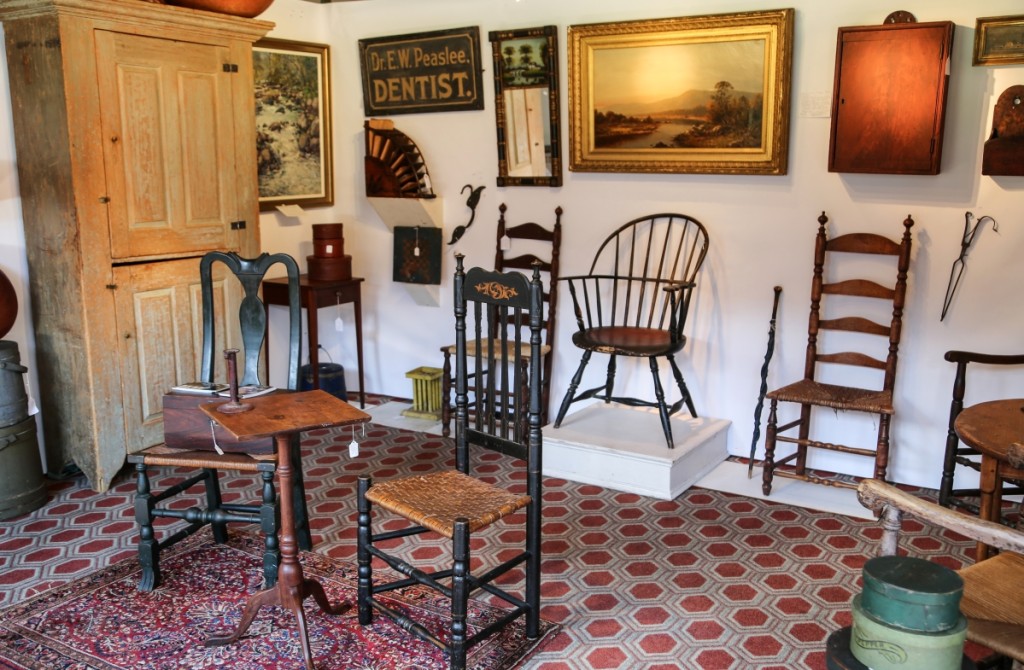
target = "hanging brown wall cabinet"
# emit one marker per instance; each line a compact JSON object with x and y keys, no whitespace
{"x":889,"y":98}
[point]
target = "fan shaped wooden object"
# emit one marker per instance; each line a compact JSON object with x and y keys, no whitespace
{"x":395,"y":168}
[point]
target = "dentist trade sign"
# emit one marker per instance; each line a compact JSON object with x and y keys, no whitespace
{"x":423,"y":72}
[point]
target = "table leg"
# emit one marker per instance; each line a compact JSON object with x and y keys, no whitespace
{"x":292,"y":586}
{"x":990,"y":498}
{"x":357,"y":303}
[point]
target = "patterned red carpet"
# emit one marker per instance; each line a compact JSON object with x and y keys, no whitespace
{"x":708,"y":581}
{"x":102,"y":621}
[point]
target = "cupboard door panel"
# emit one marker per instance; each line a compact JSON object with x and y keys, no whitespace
{"x":159,"y":318}
{"x":168,"y":144}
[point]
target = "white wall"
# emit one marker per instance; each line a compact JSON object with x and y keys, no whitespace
{"x":761,"y":227}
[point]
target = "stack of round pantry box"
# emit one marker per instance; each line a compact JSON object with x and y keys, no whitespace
{"x":329,"y":262}
{"x":908,"y":616}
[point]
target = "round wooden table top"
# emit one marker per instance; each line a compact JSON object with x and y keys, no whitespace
{"x":991,"y":427}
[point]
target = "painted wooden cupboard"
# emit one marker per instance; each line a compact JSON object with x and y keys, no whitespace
{"x":135,"y":136}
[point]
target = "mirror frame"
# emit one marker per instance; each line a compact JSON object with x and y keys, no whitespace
{"x":497,"y":38}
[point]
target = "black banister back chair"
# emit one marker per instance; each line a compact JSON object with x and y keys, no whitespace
{"x":454,"y":503}
{"x":150,"y":505}
{"x":531,"y":243}
{"x":634,"y":302}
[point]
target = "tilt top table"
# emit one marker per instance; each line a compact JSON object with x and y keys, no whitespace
{"x":991,"y":428}
{"x":279,"y":416}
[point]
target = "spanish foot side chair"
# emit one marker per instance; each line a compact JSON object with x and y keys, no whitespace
{"x":257,"y":459}
{"x":634,"y":302}
{"x":993,"y":595}
{"x":958,"y":454}
{"x":454,"y":503}
{"x":532,"y":243}
{"x":849,"y":310}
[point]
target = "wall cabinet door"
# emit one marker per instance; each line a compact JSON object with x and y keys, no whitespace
{"x":168,"y":144}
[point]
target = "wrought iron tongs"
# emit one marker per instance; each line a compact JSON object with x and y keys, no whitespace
{"x":960,"y":264}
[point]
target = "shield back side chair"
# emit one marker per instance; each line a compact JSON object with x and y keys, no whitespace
{"x":634,"y":302}
{"x":454,"y":503}
{"x":959,"y":456}
{"x":191,"y":442}
{"x":843,"y":316}
{"x":531,"y":243}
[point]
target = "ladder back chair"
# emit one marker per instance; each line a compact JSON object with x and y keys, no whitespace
{"x":195,"y":447}
{"x":454,"y":503}
{"x":958,"y":454}
{"x":993,"y":595}
{"x":532,"y":243}
{"x":856,"y":299}
{"x":634,"y":302}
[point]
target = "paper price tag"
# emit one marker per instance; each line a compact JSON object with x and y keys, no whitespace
{"x":353,"y":449}
{"x":339,"y":324}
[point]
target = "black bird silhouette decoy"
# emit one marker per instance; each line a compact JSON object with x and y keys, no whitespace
{"x":472,"y":201}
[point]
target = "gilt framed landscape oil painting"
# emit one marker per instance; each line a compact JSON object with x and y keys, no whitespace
{"x":293,"y":123}
{"x":702,"y":94}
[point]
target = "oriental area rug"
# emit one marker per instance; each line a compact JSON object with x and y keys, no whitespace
{"x":101,"y":621}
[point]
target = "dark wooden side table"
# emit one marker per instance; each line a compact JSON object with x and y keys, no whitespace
{"x":316,"y":294}
{"x":991,"y":427}
{"x":279,"y":416}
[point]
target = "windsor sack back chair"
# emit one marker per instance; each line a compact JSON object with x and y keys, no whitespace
{"x":634,"y":302}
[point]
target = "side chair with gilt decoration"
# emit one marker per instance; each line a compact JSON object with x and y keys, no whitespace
{"x":454,"y":503}
{"x":531,"y":243}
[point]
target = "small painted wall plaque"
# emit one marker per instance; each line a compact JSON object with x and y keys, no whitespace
{"x":417,"y":255}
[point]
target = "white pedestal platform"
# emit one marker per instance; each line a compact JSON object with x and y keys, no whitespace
{"x":623,"y":448}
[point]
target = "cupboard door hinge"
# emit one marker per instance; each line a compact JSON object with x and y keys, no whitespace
{"x":112,"y":287}
{"x":238,"y":225}
{"x":104,"y":199}
{"x":230,"y":67}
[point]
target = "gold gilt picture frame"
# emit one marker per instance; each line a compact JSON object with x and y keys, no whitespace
{"x":999,"y":40}
{"x":293,"y":123}
{"x":701,"y":94}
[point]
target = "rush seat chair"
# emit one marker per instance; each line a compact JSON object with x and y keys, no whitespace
{"x":454,"y":503}
{"x":843,"y":330}
{"x":518,"y":247}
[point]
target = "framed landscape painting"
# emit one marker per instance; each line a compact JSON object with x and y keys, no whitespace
{"x":999,"y":40}
{"x":293,"y":123}
{"x":703,"y":94}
